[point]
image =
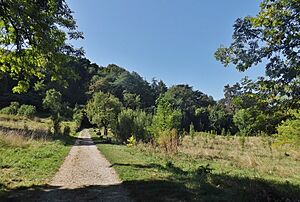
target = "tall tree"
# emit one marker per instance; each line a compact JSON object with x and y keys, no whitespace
{"x":33,"y":37}
{"x":183,"y":97}
{"x":167,"y":116}
{"x":103,"y":110}
{"x":115,"y":80}
{"x":158,"y":87}
{"x":271,"y":36}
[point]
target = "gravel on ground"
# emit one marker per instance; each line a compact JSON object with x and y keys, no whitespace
{"x":85,"y":175}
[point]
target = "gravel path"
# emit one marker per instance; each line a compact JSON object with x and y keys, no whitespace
{"x":85,"y":176}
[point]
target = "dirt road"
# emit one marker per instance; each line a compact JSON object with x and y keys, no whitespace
{"x":84,"y":176}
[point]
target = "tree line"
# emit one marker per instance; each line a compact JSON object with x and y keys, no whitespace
{"x":55,"y":78}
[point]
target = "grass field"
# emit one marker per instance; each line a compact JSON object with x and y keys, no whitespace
{"x":209,"y":168}
{"x":29,"y":156}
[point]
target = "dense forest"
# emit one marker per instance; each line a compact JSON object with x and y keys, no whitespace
{"x":143,"y":108}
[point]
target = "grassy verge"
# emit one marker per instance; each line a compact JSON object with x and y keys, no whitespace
{"x":29,"y":158}
{"x":206,"y":171}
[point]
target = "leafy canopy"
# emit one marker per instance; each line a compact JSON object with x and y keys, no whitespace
{"x":52,"y":101}
{"x":272,"y":36}
{"x":103,"y":110}
{"x":33,"y":38}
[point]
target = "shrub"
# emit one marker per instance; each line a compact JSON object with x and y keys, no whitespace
{"x":165,"y":118}
{"x":131,"y":141}
{"x":133,"y":123}
{"x":289,"y":131}
{"x":52,"y":101}
{"x":11,"y":109}
{"x":168,"y":140}
{"x":125,"y":124}
{"x":27,"y":110}
{"x":142,"y":122}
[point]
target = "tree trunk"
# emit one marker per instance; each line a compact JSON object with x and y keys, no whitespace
{"x":105,"y":131}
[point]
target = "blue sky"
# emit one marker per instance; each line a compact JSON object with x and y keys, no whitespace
{"x":172,"y":40}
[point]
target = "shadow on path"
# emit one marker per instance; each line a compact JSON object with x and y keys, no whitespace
{"x":56,"y":193}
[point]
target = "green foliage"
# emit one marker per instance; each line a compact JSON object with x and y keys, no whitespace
{"x":66,"y":111}
{"x":11,"y":109}
{"x":166,"y":116}
{"x":36,"y":45}
{"x":27,"y":111}
{"x":133,"y":123}
{"x":52,"y":101}
{"x":254,"y":107}
{"x":184,"y":98}
{"x":131,"y":100}
{"x":253,"y":121}
{"x":192,"y":130}
{"x":245,"y":121}
{"x":131,"y":141}
{"x":219,"y":120}
{"x":78,"y":115}
{"x":271,"y":36}
{"x":158,"y":88}
{"x":202,"y":119}
{"x":289,"y":131}
{"x":103,"y":110}
{"x":116,"y":81}
{"x":142,"y":122}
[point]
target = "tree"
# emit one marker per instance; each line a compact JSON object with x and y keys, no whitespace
{"x":52,"y":101}
{"x":220,"y":121}
{"x":158,"y":87}
{"x":133,"y":123}
{"x":116,"y":80}
{"x":271,"y":36}
{"x":33,"y":39}
{"x":166,"y":117}
{"x":289,"y":130}
{"x":184,"y":98}
{"x":131,"y":100}
{"x":262,"y":111}
{"x":103,"y":110}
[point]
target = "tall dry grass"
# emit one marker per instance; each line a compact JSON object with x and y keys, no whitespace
{"x":14,"y":139}
{"x":253,"y":153}
{"x":168,"y":141}
{"x":19,"y":122}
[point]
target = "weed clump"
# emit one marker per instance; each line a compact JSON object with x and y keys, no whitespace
{"x":168,"y":141}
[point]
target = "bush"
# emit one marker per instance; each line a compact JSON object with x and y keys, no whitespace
{"x":165,"y":118}
{"x":11,"y":109}
{"x":133,"y":123}
{"x":131,"y":141}
{"x":289,"y":131}
{"x":27,"y":110}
